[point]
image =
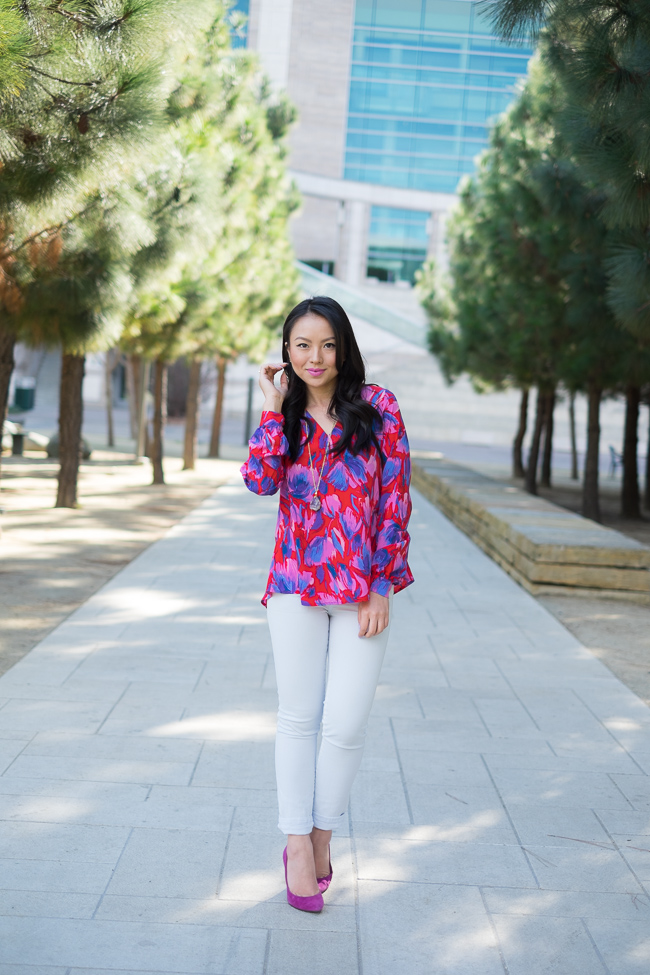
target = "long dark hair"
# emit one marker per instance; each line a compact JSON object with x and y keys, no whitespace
{"x":359,"y":419}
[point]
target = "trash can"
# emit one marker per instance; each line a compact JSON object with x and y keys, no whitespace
{"x":17,"y":444}
{"x":24,"y":393}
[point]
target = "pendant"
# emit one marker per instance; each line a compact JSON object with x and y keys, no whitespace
{"x":314,"y":504}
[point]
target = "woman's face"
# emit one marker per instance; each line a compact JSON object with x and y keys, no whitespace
{"x":312,"y":351}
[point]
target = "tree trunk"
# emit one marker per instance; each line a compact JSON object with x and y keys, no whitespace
{"x":590,"y":496}
{"x":533,"y":454}
{"x":70,"y":423}
{"x":109,"y":364}
{"x":192,"y":416}
{"x":547,"y":458}
{"x":647,"y":467}
{"x":133,"y":387}
{"x":215,"y":435}
{"x":7,"y":343}
{"x":159,"y":418}
{"x":518,"y":469}
{"x":630,"y":495}
{"x":142,"y":438}
{"x":572,"y":431}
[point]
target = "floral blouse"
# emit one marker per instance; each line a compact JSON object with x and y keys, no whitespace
{"x":358,"y":540}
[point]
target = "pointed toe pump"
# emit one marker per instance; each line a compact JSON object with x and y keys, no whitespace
{"x":313,"y":903}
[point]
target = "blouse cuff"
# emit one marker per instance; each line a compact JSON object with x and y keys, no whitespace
{"x":381,"y":585}
{"x":271,"y":415}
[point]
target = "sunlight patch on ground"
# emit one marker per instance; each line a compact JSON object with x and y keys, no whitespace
{"x":224,"y":726}
{"x":429,"y":834}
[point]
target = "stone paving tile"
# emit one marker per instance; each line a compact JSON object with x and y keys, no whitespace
{"x":624,"y":945}
{"x":209,"y":949}
{"x":74,"y":877}
{"x":232,"y":913}
{"x":500,"y":818}
{"x":314,"y":952}
{"x":39,"y":903}
{"x":167,"y":773}
{"x":539,"y":786}
{"x":541,"y":945}
{"x":379,"y":797}
{"x":474,"y":864}
{"x":421,"y":929}
{"x":61,"y":841}
{"x":570,"y":826}
{"x":36,"y":970}
{"x":10,"y":748}
{"x":632,"y":906}
{"x":170,"y":863}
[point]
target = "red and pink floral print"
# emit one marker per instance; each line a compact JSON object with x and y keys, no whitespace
{"x":358,"y":540}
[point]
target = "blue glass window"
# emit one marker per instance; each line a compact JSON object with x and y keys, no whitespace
{"x":397,"y":243}
{"x":431,"y":72}
{"x":239,"y":35}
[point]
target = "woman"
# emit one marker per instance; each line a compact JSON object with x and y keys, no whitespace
{"x":337,"y":450}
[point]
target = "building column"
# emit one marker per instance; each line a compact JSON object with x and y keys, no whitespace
{"x":436,"y":246}
{"x":270,"y":35}
{"x":354,"y":235}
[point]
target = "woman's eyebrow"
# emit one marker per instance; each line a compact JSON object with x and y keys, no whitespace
{"x":301,"y":338}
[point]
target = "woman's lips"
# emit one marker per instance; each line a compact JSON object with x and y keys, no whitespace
{"x":315,"y":372}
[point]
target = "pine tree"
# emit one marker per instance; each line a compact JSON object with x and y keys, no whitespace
{"x":506,"y":246}
{"x":219,"y":274}
{"x":601,"y":54}
{"x":89,"y":87}
{"x":528,"y":260}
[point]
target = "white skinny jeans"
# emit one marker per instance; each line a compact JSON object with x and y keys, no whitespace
{"x":324,"y":671}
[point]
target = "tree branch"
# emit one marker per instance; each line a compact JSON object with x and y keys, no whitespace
{"x":64,"y":81}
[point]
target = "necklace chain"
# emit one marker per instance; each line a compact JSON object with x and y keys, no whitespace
{"x":315,"y":501}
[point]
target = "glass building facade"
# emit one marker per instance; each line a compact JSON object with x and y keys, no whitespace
{"x":397,"y":243}
{"x":427,"y":77}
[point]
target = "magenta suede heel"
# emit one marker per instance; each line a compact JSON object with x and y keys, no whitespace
{"x":324,"y":882}
{"x":313,"y":903}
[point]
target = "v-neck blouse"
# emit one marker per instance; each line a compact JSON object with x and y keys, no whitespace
{"x":358,"y":540}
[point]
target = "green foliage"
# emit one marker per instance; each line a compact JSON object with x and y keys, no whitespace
{"x":600,"y":52}
{"x":218,"y":276}
{"x":505,"y":317}
{"x":15,"y":48}
{"x":92,"y":98}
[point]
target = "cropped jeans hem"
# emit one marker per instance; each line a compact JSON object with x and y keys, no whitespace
{"x":295,"y":829}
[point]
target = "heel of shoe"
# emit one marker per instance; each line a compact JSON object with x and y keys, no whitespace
{"x":313,"y":903}
{"x":324,"y":882}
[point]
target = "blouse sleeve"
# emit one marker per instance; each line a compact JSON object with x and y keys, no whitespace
{"x":268,"y":449}
{"x":389,"y":563}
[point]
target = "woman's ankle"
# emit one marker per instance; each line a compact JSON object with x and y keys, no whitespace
{"x":321,"y":838}
{"x":298,"y":843}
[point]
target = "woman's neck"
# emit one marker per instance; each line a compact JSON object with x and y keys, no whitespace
{"x":320,"y":399}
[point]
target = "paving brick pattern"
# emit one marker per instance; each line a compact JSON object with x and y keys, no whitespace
{"x":500,"y":822}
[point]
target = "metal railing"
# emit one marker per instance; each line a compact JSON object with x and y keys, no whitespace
{"x":315,"y":282}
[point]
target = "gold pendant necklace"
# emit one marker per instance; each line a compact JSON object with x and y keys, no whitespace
{"x":315,"y":503}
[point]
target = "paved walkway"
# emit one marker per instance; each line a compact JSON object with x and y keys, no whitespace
{"x":501,"y":821}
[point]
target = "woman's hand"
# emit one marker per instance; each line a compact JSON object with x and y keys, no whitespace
{"x":373,"y":615}
{"x":273,"y":397}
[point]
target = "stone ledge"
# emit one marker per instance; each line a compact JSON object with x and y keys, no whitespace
{"x":545,"y":548}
